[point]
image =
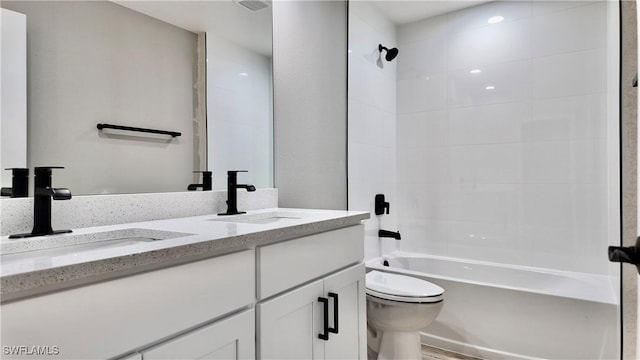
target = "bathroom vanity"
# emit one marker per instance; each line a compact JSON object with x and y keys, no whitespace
{"x":270,"y":284}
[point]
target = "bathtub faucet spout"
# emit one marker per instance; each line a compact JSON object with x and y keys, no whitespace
{"x":389,"y":234}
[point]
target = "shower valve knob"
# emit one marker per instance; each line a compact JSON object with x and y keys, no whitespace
{"x":380,"y":205}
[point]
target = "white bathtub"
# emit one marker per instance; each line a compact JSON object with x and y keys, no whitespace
{"x":495,"y":311}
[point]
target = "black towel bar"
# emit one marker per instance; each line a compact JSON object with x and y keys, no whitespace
{"x":129,"y":128}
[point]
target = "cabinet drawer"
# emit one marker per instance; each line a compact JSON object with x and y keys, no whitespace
{"x":110,"y":318}
{"x":290,"y":263}
{"x":231,"y":338}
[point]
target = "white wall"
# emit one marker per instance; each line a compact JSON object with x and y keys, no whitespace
{"x":239,"y":113}
{"x":372,"y":122}
{"x":310,"y":113}
{"x":516,"y":174}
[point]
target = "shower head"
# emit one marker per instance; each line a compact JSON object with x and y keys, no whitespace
{"x":391,"y":53}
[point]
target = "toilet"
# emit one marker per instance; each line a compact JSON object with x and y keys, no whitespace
{"x":398,"y":307}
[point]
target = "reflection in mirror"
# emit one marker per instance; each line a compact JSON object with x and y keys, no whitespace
{"x":142,"y":64}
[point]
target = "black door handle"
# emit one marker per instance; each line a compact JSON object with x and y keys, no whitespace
{"x":334,"y":329}
{"x":626,"y":254}
{"x":325,"y":306}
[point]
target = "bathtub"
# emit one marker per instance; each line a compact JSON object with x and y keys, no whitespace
{"x":496,"y":311}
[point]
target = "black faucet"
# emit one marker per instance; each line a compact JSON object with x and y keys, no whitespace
{"x":389,"y":234}
{"x":42,"y":195}
{"x":232,"y":196}
{"x":206,"y":182}
{"x":19,"y":183}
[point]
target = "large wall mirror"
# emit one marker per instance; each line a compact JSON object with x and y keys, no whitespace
{"x":148,"y":64}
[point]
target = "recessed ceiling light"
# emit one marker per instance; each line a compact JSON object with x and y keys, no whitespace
{"x":475,"y":71}
{"x":495,"y":19}
{"x":243,"y":74}
{"x":490,"y":87}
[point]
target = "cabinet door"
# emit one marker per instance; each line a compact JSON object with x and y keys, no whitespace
{"x":350,"y":342}
{"x":231,"y":338}
{"x":288,"y":325}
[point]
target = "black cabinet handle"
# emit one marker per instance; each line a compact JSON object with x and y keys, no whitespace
{"x":325,"y":305}
{"x":334,"y":329}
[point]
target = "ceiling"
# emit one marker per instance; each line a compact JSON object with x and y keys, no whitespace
{"x":252,"y":29}
{"x":225,"y":18}
{"x":406,"y":11}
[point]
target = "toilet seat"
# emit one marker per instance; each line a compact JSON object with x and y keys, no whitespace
{"x":402,"y":288}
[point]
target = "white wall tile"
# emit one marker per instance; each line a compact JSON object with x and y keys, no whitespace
{"x":590,"y":206}
{"x":372,"y":122}
{"x":420,"y":202}
{"x":551,"y":120}
{"x":485,"y":203}
{"x":477,"y":16}
{"x":511,"y":82}
{"x":488,"y":242}
{"x":589,"y":120}
{"x":488,"y":45}
{"x":424,"y":93}
{"x":546,"y":162}
{"x":380,"y":125}
{"x":588,"y":162}
{"x":546,"y":206}
{"x":576,"y":117}
{"x":424,"y":236}
{"x":422,"y":130}
{"x":371,"y":163}
{"x":364,"y":39}
{"x":574,"y":73}
{"x":498,"y":123}
{"x":424,"y":57}
{"x":552,"y":247}
{"x":550,"y":6}
{"x":432,"y":28}
{"x":372,"y":85}
{"x":428,"y":166}
{"x":486,"y":164}
{"x":374,"y":18}
{"x":574,"y":29}
{"x":574,"y":242}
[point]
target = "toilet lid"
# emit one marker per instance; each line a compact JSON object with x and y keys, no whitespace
{"x":402,"y":288}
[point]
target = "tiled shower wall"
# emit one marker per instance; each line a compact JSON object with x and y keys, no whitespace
{"x":372,"y":122}
{"x":502,"y":152}
{"x":506,"y":164}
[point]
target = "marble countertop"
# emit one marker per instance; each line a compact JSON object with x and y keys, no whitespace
{"x":191,"y":239}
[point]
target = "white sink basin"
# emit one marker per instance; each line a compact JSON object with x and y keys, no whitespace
{"x":262,"y":218}
{"x":77,"y":244}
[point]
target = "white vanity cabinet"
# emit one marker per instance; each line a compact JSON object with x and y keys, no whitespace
{"x":272,"y":301}
{"x":231,"y":338}
{"x":130,"y":314}
{"x":291,"y":323}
